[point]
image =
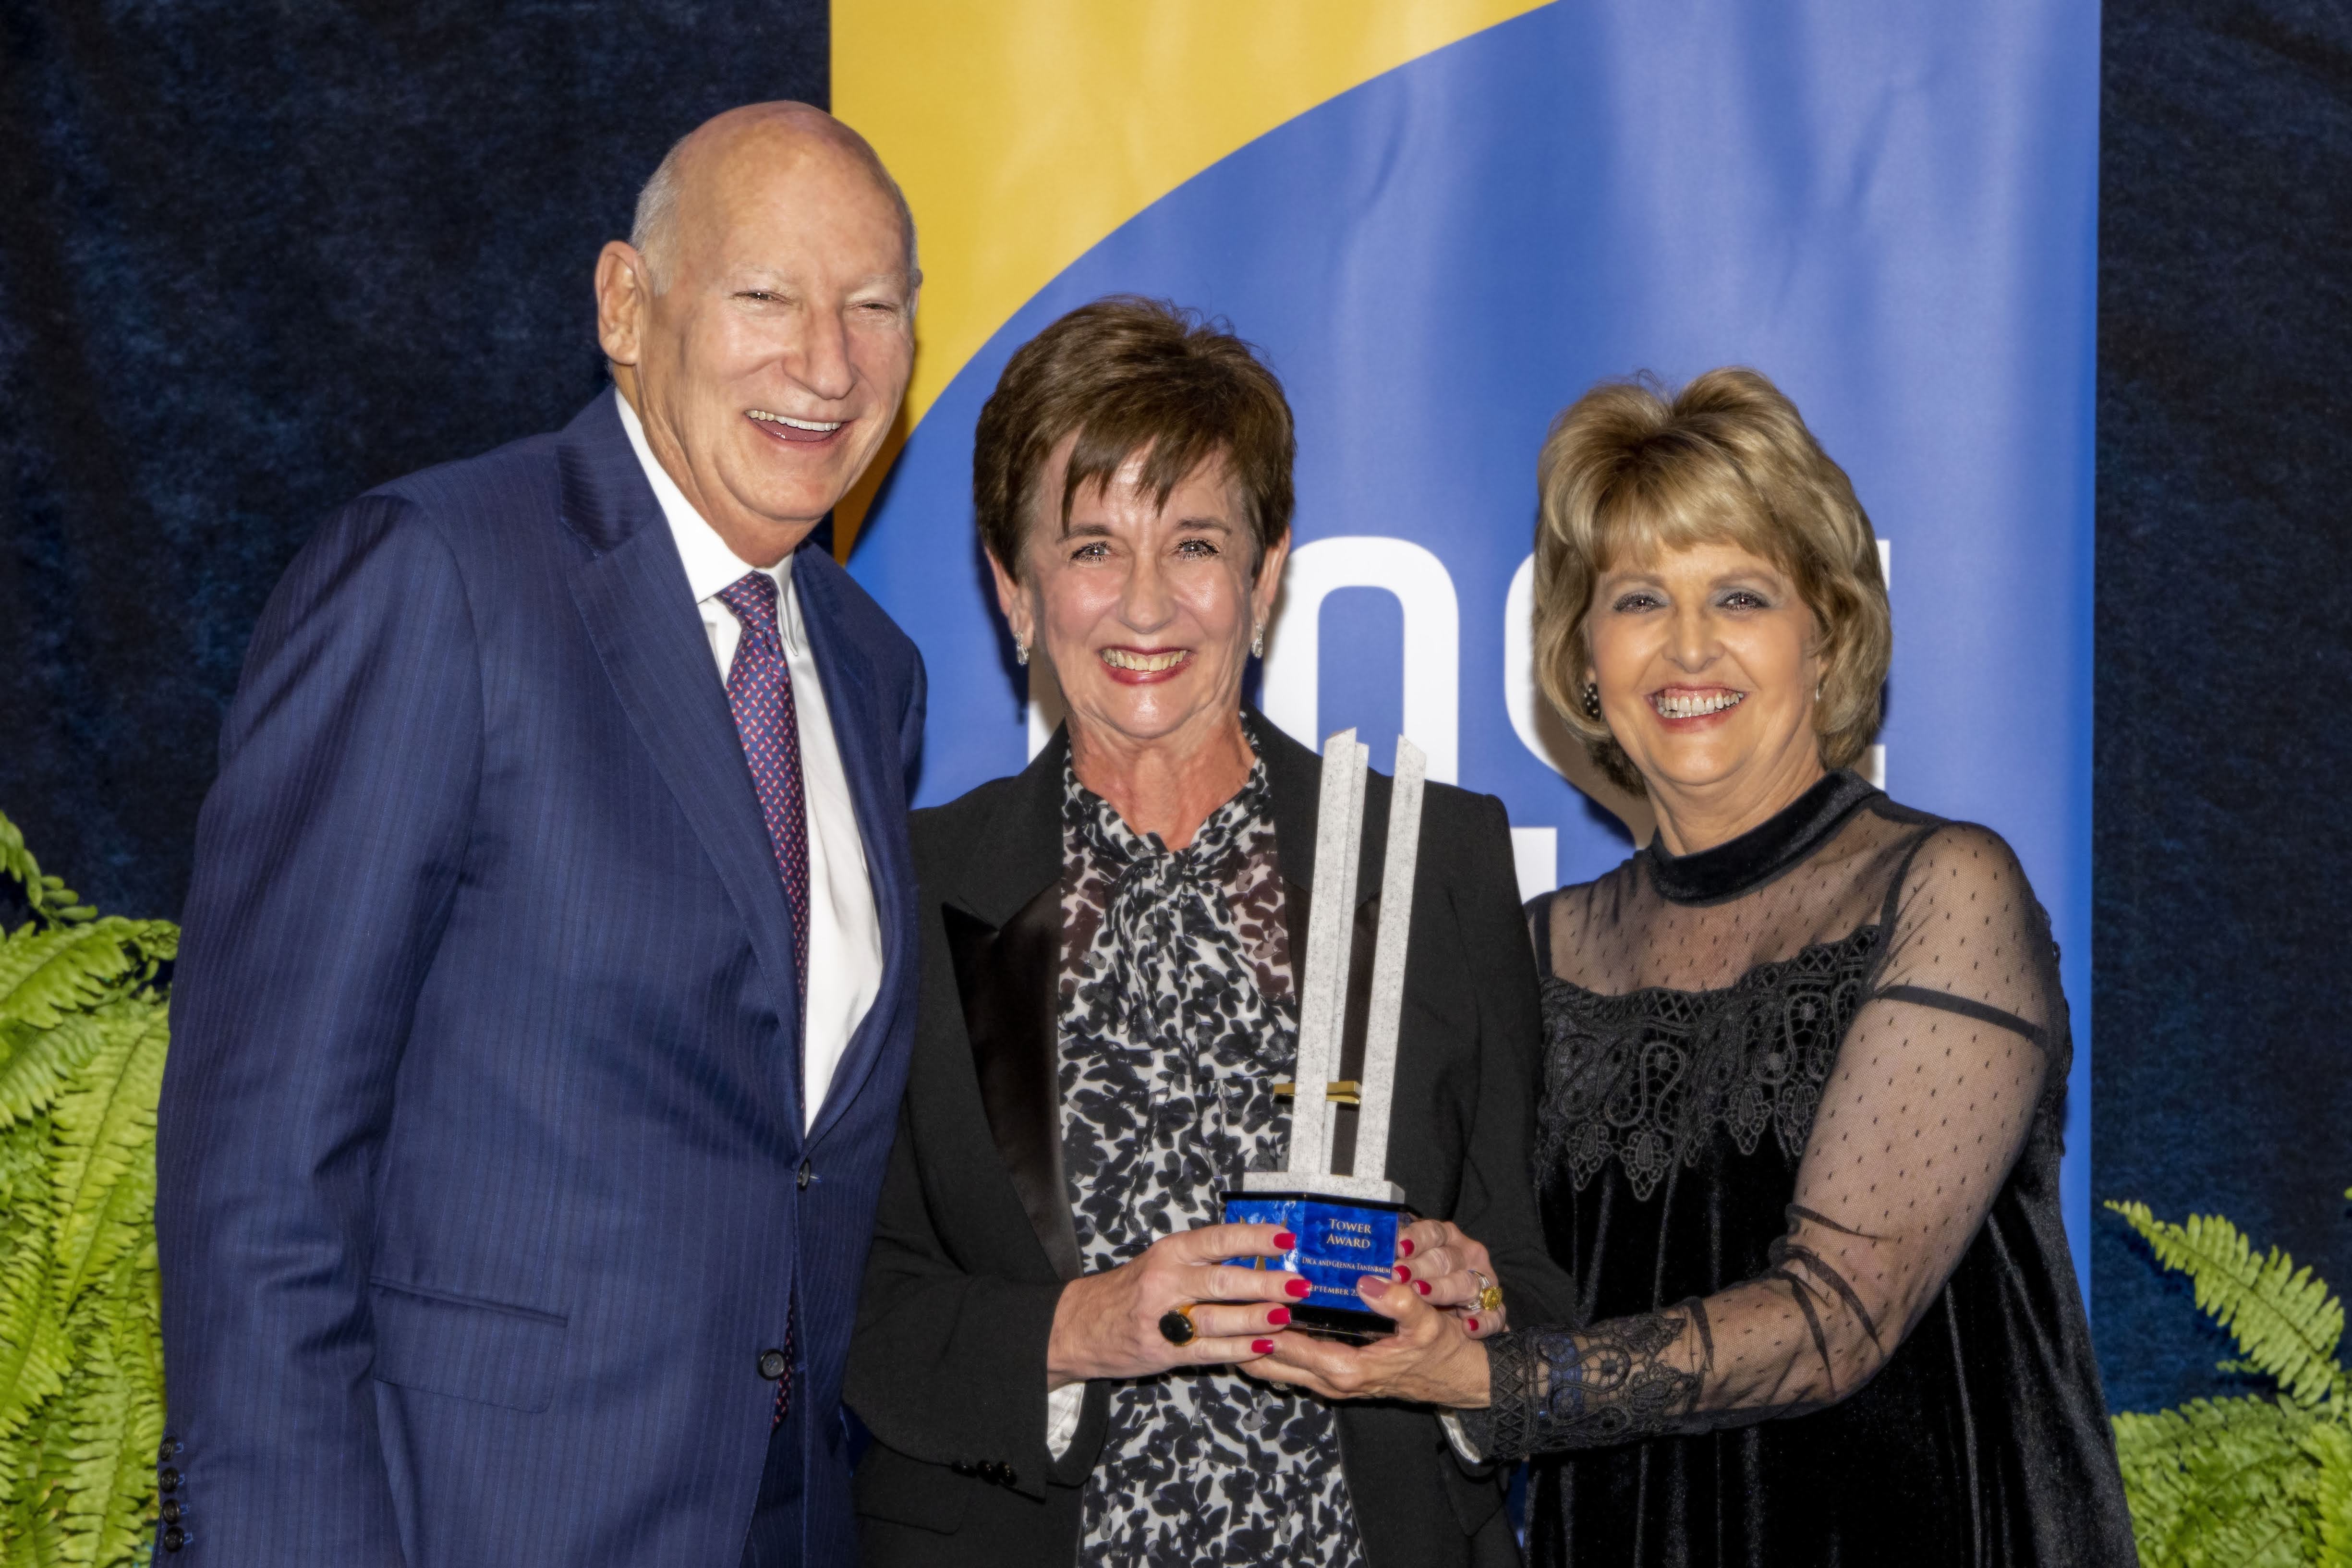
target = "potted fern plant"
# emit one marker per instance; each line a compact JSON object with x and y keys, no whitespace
{"x":2263,"y":1481}
{"x":82,"y":1033}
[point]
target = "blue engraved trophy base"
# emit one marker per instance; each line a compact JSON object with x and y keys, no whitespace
{"x":1341,"y":1240}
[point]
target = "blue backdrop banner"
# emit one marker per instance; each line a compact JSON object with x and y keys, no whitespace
{"x":1888,"y":209}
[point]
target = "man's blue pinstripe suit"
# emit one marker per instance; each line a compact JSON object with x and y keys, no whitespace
{"x":482,"y":1186}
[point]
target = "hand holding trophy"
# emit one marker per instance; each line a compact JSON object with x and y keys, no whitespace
{"x":1195,"y":1298}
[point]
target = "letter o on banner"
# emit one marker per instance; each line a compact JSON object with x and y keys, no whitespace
{"x":1432,"y":640}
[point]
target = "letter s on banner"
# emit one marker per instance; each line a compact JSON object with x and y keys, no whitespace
{"x":1432,"y":640}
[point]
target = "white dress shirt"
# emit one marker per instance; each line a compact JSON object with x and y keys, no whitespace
{"x":844,"y":938}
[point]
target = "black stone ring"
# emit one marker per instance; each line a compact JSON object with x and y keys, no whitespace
{"x":1176,"y":1327}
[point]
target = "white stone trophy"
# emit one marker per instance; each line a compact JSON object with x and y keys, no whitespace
{"x":1346,"y":1226}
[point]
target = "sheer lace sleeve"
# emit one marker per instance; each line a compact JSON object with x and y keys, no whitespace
{"x":1926,"y":1110}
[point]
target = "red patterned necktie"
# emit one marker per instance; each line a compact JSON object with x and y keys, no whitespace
{"x":760,"y":692}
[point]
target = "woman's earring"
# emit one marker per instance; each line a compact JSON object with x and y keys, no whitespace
{"x":1020,"y":650}
{"x":1592,"y":699}
{"x":1257,"y":640}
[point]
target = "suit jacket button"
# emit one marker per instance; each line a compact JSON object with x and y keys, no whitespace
{"x":170,"y":1510}
{"x":170,"y":1479}
{"x":174,"y":1537}
{"x":773,"y":1364}
{"x":805,"y":1176}
{"x":963,"y":1468}
{"x":1008,"y":1475}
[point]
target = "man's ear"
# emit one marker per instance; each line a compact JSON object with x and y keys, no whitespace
{"x":624,"y":293}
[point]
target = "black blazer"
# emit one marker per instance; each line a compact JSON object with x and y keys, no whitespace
{"x":974,"y":1240}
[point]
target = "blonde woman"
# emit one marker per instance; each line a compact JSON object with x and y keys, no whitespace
{"x":1798,"y":1123}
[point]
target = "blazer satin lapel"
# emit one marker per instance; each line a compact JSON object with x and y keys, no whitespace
{"x":868,"y":740}
{"x":639,"y":612}
{"x":1021,"y":850}
{"x":1004,"y":920}
{"x":1006,"y":979}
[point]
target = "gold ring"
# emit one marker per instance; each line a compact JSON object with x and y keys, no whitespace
{"x":1176,"y":1326}
{"x":1490,"y":1294}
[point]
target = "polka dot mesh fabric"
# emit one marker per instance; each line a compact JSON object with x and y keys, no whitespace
{"x":1878,"y":997}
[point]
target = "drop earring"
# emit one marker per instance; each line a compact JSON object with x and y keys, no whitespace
{"x":1592,"y":699}
{"x":1257,"y":640}
{"x":1020,"y":650}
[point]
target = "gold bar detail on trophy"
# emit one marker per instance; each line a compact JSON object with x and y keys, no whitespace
{"x":1344,"y":1091}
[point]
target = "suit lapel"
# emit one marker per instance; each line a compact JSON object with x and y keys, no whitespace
{"x":1006,"y":980}
{"x":639,"y":612}
{"x":868,"y":740}
{"x":1004,"y":923}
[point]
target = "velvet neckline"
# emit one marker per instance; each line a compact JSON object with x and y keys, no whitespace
{"x":1763,"y":852}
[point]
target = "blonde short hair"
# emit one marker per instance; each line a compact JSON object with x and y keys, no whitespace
{"x":1627,"y":473}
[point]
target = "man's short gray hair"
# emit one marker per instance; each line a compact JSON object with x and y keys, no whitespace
{"x":655,"y":226}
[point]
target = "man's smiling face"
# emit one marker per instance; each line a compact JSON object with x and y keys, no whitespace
{"x":766,"y":341}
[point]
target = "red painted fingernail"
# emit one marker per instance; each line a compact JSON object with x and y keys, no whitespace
{"x":1298,"y":1288}
{"x":1402,"y":1272}
{"x":1473,"y":1325}
{"x":1405,"y":1247}
{"x":1261,"y":1347}
{"x":1278,"y":1316}
{"x":1285,"y":1240}
{"x":1422,"y":1285}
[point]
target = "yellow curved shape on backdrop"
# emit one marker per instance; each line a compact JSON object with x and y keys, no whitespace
{"x":1025,"y":131}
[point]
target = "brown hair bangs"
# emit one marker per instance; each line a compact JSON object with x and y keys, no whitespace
{"x":1126,"y":376}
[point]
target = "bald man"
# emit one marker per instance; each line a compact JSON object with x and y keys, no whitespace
{"x":549,"y":972}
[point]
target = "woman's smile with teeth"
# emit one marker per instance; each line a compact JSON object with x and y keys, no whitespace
{"x":1148,"y":663}
{"x":1695,"y":705}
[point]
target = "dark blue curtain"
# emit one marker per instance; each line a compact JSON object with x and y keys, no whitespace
{"x":255,"y":259}
{"x":2222,"y":848}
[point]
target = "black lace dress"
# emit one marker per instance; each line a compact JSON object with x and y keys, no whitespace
{"x":1799,"y":1146}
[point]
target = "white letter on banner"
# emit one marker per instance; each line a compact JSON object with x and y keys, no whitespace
{"x":1432,"y":640}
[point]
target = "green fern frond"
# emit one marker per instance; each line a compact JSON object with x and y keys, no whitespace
{"x":2203,"y":1479}
{"x":2284,"y":1318}
{"x":82,"y":1039}
{"x":35,"y":1353}
{"x":108,"y":1475}
{"x":48,"y":975}
{"x":52,"y":902}
{"x":24,"y":1184}
{"x":35,"y":1064}
{"x":34,"y":1535}
{"x":104,"y":1171}
{"x":2329,"y":1544}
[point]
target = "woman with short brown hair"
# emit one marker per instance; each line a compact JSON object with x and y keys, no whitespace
{"x":1052,"y":1352}
{"x":1804,"y":1085}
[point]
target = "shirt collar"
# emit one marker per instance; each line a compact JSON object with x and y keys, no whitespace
{"x":710,"y":567}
